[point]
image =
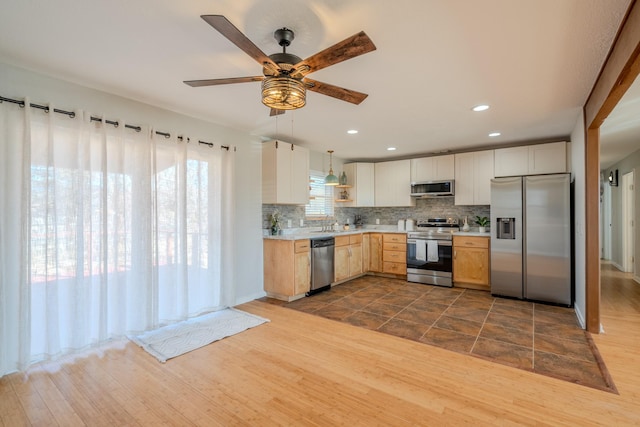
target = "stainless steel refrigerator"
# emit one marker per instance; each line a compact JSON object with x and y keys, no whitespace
{"x":531,"y":252}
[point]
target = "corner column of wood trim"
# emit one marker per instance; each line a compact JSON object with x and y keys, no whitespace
{"x":592,"y":238}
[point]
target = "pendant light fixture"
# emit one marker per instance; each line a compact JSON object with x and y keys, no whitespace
{"x":331,"y":179}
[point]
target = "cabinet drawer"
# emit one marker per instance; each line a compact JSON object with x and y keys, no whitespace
{"x":394,"y":256}
{"x":394,"y":267}
{"x":394,"y":246}
{"x":355,"y":239}
{"x":342,"y":240}
{"x":470,"y":242}
{"x":301,"y":246}
{"x":394,"y":238}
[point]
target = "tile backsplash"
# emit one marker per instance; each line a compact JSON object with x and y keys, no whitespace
{"x":443,"y":207}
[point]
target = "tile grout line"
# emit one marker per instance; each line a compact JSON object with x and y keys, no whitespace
{"x":482,"y":327}
{"x":442,"y":314}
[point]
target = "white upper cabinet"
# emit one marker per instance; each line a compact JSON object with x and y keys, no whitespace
{"x":531,"y":159}
{"x":361,"y":178}
{"x":285,"y":173}
{"x":436,"y":168}
{"x":474,"y":172}
{"x":548,"y":158}
{"x":393,"y":183}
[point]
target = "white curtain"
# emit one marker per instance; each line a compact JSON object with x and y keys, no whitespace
{"x":105,"y":231}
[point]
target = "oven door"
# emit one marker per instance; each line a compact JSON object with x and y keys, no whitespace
{"x":444,"y":263}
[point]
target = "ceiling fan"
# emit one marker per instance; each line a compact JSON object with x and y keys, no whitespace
{"x":284,"y":79}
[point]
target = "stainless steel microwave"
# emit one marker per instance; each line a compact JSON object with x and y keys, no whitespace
{"x":432,"y":189}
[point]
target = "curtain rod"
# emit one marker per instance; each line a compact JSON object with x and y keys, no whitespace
{"x":72,"y":115}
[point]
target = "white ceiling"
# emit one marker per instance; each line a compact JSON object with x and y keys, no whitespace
{"x":534,"y":62}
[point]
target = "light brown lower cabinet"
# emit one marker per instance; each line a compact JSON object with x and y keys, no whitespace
{"x":375,"y":252}
{"x":287,"y":268}
{"x":471,"y":261}
{"x":394,"y":253}
{"x":348,"y":257}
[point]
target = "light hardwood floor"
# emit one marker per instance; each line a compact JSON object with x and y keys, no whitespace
{"x":301,"y":369}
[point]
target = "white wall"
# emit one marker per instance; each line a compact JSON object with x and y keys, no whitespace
{"x":578,"y":141}
{"x":18,"y":83}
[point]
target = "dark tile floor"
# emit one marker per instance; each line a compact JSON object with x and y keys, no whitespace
{"x":536,"y":337}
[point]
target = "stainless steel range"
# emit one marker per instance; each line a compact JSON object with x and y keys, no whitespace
{"x":430,"y":250}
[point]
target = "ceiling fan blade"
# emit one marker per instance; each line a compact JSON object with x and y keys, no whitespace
{"x":356,"y":45}
{"x":236,"y":37}
{"x":337,"y":92}
{"x":214,"y":82}
{"x":275,"y":112}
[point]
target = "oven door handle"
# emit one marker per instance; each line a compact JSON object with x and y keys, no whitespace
{"x":440,"y":242}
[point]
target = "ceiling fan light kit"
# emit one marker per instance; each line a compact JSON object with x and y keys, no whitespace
{"x":284,"y":82}
{"x":283,"y":93}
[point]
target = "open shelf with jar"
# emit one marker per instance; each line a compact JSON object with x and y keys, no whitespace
{"x":343,"y":195}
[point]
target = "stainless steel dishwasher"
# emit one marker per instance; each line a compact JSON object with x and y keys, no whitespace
{"x":321,"y":263}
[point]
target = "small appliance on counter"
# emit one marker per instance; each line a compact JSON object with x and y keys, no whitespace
{"x":358,"y":221}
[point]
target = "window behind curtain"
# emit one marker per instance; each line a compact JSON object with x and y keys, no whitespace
{"x":320,"y":198}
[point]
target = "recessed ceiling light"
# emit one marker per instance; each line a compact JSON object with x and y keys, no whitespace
{"x":352,"y":131}
{"x":391,"y":148}
{"x":481,"y":107}
{"x":494,"y":134}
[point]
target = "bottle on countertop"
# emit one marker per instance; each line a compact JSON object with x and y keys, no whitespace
{"x":336,"y":226}
{"x":465,"y":226}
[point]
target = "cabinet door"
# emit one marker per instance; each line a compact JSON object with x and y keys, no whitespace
{"x":482,"y":175}
{"x":474,"y":172}
{"x":341,"y":258}
{"x":355,"y":260}
{"x":464,"y":186}
{"x":360,"y":176}
{"x":366,"y":252}
{"x":436,"y":168}
{"x":422,"y":169}
{"x":302,"y":269}
{"x":279,"y":268}
{"x":548,"y":158}
{"x":513,"y":161}
{"x":299,"y":178}
{"x":375,"y":253}
{"x":471,"y":265}
{"x":393,"y":183}
{"x":444,"y":167}
{"x":285,"y":173}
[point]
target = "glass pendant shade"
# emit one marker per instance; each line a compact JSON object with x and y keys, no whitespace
{"x":283,"y":93}
{"x":331,"y":179}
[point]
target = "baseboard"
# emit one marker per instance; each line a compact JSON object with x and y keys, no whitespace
{"x":618,"y":266}
{"x":636,"y":279}
{"x":252,"y":297}
{"x":580,"y":317}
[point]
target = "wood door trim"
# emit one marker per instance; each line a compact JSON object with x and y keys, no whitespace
{"x":618,"y":73}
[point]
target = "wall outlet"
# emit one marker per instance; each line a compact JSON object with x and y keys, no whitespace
{"x":377,"y":221}
{"x":301,"y":222}
{"x":289,"y":223}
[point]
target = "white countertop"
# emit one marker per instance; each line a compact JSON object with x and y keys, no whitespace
{"x":310,"y":233}
{"x":471,"y":233}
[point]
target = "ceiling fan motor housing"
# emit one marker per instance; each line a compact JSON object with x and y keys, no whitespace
{"x":284,"y":36}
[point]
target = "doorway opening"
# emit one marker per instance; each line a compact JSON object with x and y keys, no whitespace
{"x":628,"y":223}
